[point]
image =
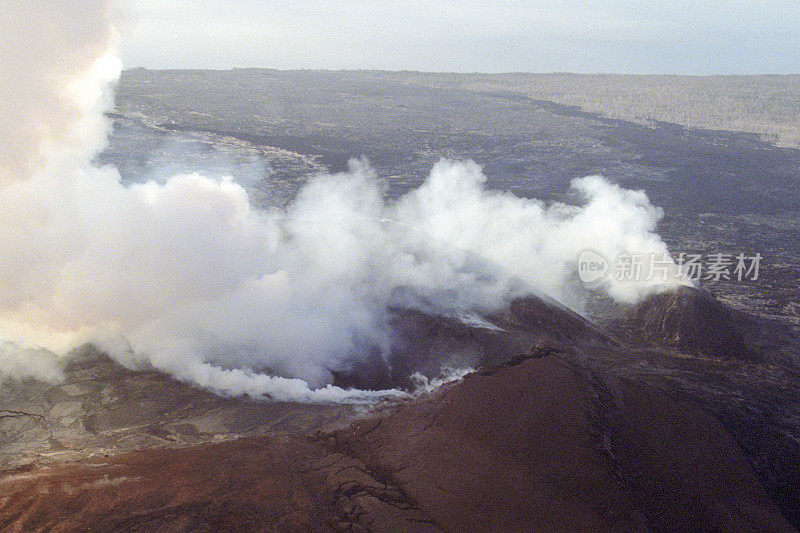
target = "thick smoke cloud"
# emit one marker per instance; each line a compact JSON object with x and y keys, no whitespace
{"x":185,"y":275}
{"x":48,"y":92}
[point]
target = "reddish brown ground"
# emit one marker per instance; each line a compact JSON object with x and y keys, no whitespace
{"x":533,"y":446}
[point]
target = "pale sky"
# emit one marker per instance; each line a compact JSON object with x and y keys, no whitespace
{"x":645,"y":36}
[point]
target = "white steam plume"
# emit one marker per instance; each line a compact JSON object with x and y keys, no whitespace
{"x":187,"y":276}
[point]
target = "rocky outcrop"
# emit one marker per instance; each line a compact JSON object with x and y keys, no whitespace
{"x":690,"y":321}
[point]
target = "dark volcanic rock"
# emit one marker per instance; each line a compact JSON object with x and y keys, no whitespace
{"x":544,"y":446}
{"x":547,"y":434}
{"x":550,"y":319}
{"x":539,"y":445}
{"x":690,"y":321}
{"x":426,"y":342}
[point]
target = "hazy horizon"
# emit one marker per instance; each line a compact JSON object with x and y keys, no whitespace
{"x":475,"y":72}
{"x":693,"y":38}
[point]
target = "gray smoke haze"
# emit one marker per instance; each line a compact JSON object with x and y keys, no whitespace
{"x":185,"y":275}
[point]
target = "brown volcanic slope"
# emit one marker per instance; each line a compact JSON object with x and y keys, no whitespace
{"x":563,"y":428}
{"x":743,"y":369}
{"x":103,"y":408}
{"x":691,"y":321}
{"x":425,"y":343}
{"x":540,"y":444}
